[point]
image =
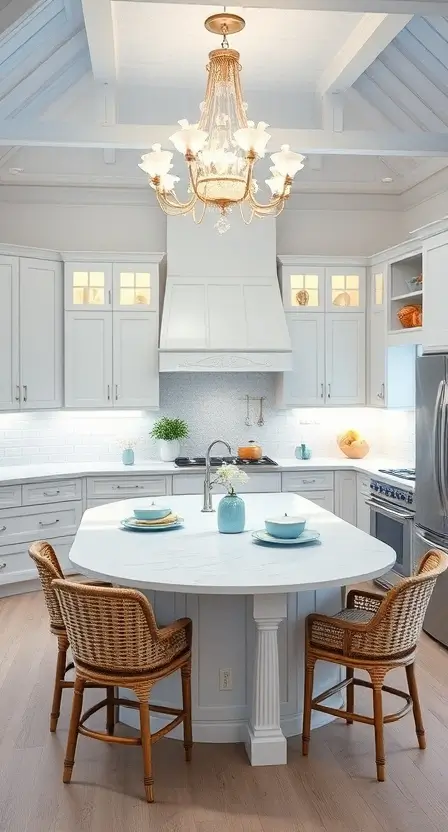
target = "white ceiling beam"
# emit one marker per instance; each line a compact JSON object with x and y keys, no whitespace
{"x":100,"y":36}
{"x":423,"y":7}
{"x":403,"y":96}
{"x":142,"y":136}
{"x":367,"y":40}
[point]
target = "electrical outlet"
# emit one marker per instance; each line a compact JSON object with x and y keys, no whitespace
{"x":225,"y":679}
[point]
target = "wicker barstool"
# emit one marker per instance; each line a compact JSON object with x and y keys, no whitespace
{"x":375,"y":633}
{"x":115,"y":641}
{"x":48,"y":568}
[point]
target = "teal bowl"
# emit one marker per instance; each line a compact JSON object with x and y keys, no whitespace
{"x":285,"y":527}
{"x":153,"y":512}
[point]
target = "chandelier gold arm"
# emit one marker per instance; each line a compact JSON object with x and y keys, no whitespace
{"x":269,"y":207}
{"x":174,"y":207}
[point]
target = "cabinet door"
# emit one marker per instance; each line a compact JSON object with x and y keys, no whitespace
{"x":345,"y":289}
{"x":303,"y":289}
{"x":362,"y":513}
{"x":376,"y":358}
{"x":135,"y":287}
{"x":136,"y":359}
{"x":345,"y":357}
{"x":41,"y":313}
{"x":305,"y":383}
{"x":9,"y":333}
{"x":324,"y":499}
{"x":88,"y":359}
{"x":345,"y":496}
{"x":434,"y":336}
{"x":88,"y":287}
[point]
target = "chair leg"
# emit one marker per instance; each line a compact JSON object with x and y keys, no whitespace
{"x":349,"y":673}
{"x":186,"y":705}
{"x":110,"y":711}
{"x":307,"y":697}
{"x":59,"y":678}
{"x":78,"y":696}
{"x":413,"y":690}
{"x":147,"y":751}
{"x":379,"y":726}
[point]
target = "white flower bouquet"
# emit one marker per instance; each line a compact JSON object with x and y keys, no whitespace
{"x":229,"y":476}
{"x":127,"y":444}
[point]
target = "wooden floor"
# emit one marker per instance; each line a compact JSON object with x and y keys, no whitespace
{"x":331,"y":791}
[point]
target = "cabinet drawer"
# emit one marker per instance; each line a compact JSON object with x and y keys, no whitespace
{"x":257,"y":483}
{"x":55,"y":491}
{"x":23,"y":525}
{"x":10,"y":496}
{"x":325,"y":499}
{"x":311,"y":481}
{"x":16,"y":564}
{"x":121,"y":487}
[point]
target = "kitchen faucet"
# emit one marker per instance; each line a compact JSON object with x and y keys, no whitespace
{"x":207,"y":485}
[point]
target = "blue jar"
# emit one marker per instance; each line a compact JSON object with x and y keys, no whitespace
{"x":127,"y":456}
{"x":231,"y":514}
{"x":302,"y":451}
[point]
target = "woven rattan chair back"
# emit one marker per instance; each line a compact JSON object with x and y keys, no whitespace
{"x":48,"y":569}
{"x":400,"y":617}
{"x":114,"y":629}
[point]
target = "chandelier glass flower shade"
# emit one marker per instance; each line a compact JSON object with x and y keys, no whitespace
{"x":222,"y":149}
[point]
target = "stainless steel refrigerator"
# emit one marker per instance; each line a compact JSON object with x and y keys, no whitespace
{"x":431,"y":486}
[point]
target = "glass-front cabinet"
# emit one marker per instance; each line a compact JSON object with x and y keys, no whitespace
{"x":112,"y":287}
{"x":323,"y":289}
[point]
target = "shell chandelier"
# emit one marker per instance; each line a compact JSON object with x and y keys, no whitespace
{"x":222,"y":148}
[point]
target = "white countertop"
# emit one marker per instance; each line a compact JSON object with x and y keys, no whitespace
{"x":198,"y":559}
{"x":51,"y":470}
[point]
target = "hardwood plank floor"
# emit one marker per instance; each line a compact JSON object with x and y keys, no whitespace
{"x":332,"y":791}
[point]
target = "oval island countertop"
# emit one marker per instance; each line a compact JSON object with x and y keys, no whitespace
{"x":198,"y":559}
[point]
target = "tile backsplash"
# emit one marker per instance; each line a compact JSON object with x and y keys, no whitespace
{"x":214,"y":406}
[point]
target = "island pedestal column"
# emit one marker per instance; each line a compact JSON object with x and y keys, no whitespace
{"x":265,"y":742}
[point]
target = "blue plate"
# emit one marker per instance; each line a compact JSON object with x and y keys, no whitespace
{"x":308,"y":536}
{"x":131,"y":526}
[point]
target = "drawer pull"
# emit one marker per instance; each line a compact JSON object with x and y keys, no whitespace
{"x":50,"y":523}
{"x":126,"y":487}
{"x":2,"y":528}
{"x":308,"y":482}
{"x":52,"y":493}
{"x":2,"y":565}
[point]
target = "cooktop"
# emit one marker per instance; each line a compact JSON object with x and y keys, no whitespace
{"x":401,"y":473}
{"x":216,"y":461}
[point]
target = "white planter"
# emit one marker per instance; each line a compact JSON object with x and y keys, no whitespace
{"x":169,"y":450}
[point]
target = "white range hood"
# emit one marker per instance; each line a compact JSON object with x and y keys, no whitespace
{"x":222,"y":309}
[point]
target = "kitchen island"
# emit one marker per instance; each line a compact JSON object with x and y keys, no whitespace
{"x":248,"y":604}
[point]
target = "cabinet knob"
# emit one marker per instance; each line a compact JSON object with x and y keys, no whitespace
{"x":108,"y":392}
{"x":116,"y":392}
{"x":2,"y":565}
{"x":322,"y":390}
{"x":25,"y":392}
{"x":2,"y":528}
{"x":329,"y":391}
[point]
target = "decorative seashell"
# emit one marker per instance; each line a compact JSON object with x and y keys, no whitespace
{"x":303,"y":297}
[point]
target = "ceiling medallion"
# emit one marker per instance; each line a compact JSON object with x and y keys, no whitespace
{"x":222,"y":148}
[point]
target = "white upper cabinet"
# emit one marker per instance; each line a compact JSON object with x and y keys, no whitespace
{"x":345,"y":289}
{"x":41,"y":347}
{"x":135,"y":287}
{"x":303,"y":289}
{"x":305,"y":384}
{"x":345,"y":358}
{"x":135,"y":360}
{"x":434,"y":336}
{"x":30,"y":333}
{"x":88,"y":286}
{"x":88,"y":359}
{"x":9,"y":334}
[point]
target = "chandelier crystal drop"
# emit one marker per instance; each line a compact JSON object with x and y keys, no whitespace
{"x":222,"y":148}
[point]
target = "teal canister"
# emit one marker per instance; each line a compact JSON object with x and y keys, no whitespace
{"x":127,"y":456}
{"x":303,"y":451}
{"x":231,"y":514}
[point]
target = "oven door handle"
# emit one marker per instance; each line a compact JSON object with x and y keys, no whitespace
{"x":389,"y":512}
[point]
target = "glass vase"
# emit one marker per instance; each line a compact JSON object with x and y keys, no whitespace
{"x":231,"y":514}
{"x":127,"y":456}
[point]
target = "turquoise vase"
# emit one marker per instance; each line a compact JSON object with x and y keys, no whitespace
{"x":127,"y":456}
{"x":231,"y":514}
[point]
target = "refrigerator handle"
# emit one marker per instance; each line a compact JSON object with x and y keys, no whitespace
{"x":437,"y":442}
{"x":422,"y":536}
{"x":443,"y":448}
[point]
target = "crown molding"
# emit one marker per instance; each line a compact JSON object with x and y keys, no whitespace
{"x":112,"y":256}
{"x":321,"y":260}
{"x":8,"y":250}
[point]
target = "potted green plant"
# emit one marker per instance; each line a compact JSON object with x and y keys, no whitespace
{"x":169,"y":433}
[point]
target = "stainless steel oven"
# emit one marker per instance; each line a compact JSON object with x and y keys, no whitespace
{"x":392,"y":521}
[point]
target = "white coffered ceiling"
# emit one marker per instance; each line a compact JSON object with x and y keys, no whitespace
{"x":360,"y":86}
